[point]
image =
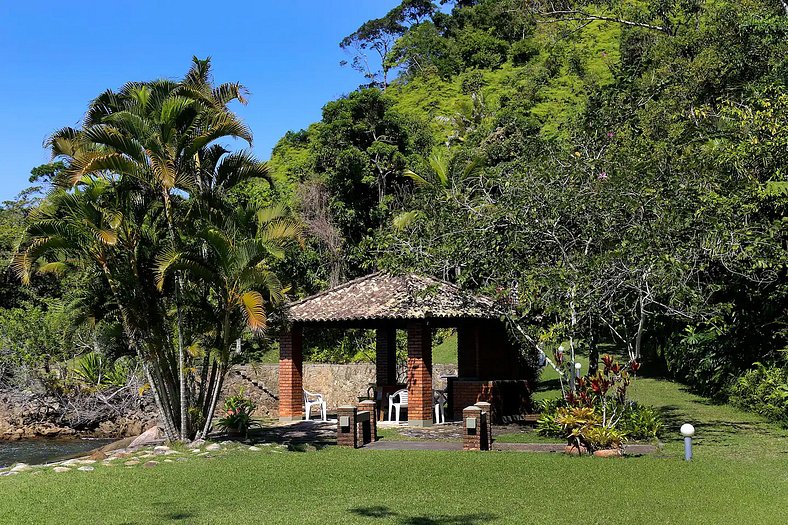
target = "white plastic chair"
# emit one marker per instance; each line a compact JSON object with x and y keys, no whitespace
{"x":402,"y":395}
{"x":440,"y":399}
{"x":310,"y":400}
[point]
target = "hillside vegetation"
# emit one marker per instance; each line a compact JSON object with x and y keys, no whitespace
{"x":614,"y":170}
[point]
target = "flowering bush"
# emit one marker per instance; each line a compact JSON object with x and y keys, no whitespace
{"x":597,"y":413}
{"x":238,"y":414}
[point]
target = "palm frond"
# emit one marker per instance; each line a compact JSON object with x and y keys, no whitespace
{"x":253,"y":306}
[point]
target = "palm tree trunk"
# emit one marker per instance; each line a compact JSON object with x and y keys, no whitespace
{"x":181,"y":358}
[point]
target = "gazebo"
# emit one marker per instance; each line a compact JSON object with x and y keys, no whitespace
{"x":490,"y":367}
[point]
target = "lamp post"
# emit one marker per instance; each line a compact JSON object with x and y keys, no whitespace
{"x":687,"y":431}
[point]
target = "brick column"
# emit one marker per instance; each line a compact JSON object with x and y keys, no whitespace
{"x":369,"y":406}
{"x":472,"y":433}
{"x":291,"y":394}
{"x":486,"y":436}
{"x":386,"y":356}
{"x":347,"y":431}
{"x":420,"y":412}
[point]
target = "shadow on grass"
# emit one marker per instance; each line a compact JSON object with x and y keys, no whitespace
{"x":305,"y":447}
{"x":459,"y":519}
{"x":548,"y":385}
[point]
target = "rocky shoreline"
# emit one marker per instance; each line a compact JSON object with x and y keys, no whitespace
{"x":29,"y":415}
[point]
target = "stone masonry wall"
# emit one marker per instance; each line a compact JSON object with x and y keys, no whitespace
{"x":339,"y":384}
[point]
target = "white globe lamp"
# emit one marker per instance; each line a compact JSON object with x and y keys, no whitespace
{"x":687,"y":431}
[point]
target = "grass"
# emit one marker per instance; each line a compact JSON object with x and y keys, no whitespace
{"x":739,"y":475}
{"x":445,"y":353}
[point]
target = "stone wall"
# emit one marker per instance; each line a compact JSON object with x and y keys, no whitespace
{"x":339,"y":384}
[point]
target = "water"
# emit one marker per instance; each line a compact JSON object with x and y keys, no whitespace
{"x":37,"y":451}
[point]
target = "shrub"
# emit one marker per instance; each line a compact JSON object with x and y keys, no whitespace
{"x":238,"y":414}
{"x":597,"y":414}
{"x":481,"y":50}
{"x":522,"y":51}
{"x":763,"y":390}
{"x":640,"y":422}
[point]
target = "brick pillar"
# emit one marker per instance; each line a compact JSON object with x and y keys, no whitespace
{"x":467,"y":336}
{"x":386,"y":356}
{"x":420,"y":406}
{"x":472,"y":433}
{"x":369,"y":406}
{"x":291,"y":394}
{"x":347,"y":430}
{"x":486,"y":436}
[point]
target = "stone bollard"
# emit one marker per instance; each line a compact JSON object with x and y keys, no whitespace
{"x":347,"y":429}
{"x":369,"y":406}
{"x":472,"y":428}
{"x":486,"y":437}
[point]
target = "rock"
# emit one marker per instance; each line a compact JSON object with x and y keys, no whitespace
{"x":213,"y":447}
{"x":197,"y":443}
{"x":171,"y":453}
{"x":161,"y":449}
{"x":20,"y":467}
{"x":169,"y":461}
{"x":609,"y":453}
{"x":87,"y":461}
{"x":149,"y":436}
{"x":255,"y":449}
{"x":131,"y":463}
{"x":182,"y":459}
{"x":70,"y":462}
{"x":35,"y":472}
{"x":86,"y":468}
{"x":150,"y":464}
{"x":60,"y":469}
{"x":196,"y":451}
{"x":121,"y":444}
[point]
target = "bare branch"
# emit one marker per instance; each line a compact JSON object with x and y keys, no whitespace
{"x":583,"y":16}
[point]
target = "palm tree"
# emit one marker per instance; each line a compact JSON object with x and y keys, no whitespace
{"x":232,"y":261}
{"x":150,"y":148}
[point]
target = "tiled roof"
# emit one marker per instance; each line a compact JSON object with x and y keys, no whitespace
{"x":385,"y":296}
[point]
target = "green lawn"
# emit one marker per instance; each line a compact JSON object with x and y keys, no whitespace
{"x":739,"y":475}
{"x":445,"y":353}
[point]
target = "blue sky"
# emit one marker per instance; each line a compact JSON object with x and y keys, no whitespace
{"x":56,"y":56}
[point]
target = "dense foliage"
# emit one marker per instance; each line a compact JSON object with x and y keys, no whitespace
{"x":614,"y":170}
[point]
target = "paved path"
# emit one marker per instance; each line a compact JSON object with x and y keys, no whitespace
{"x":414,"y":445}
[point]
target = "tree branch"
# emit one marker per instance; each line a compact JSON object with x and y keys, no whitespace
{"x":576,"y":15}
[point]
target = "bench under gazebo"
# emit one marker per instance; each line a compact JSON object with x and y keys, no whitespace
{"x":489,"y":367}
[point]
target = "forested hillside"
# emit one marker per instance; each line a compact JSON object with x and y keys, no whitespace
{"x":614,"y":170}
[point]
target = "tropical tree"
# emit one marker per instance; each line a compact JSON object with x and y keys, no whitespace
{"x":142,"y":176}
